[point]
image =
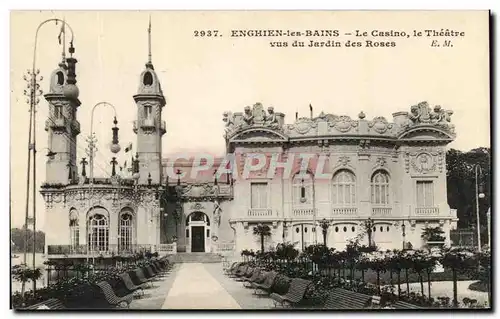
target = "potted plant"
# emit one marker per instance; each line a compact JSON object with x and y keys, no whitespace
{"x":433,"y":236}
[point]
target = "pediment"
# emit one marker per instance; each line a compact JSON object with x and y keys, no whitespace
{"x":259,"y":135}
{"x":427,"y":133}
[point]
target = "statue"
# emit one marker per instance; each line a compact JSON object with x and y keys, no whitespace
{"x":422,"y":113}
{"x":271,"y":119}
{"x":217,"y":212}
{"x":248,"y":116}
{"x":228,"y":118}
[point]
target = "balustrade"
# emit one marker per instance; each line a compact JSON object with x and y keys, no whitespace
{"x":260,"y":212}
{"x":343,"y":211}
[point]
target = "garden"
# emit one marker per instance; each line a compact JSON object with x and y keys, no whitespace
{"x":367,"y":270}
{"x":74,"y":284}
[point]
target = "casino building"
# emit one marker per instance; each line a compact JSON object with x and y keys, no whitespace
{"x":385,"y":180}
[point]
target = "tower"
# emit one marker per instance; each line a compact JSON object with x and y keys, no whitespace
{"x":149,"y":126}
{"x":61,"y":124}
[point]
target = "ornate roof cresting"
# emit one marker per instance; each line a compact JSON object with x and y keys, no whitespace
{"x":254,"y":116}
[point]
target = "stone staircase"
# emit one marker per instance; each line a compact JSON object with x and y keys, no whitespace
{"x":195,"y":258}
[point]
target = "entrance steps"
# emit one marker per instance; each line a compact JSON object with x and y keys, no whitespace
{"x":195,"y":258}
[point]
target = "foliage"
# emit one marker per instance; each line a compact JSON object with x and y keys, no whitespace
{"x":374,"y":263}
{"x":78,"y":291}
{"x":22,"y":273}
{"x":461,"y":183}
{"x":17,"y":236}
{"x":433,"y":234}
{"x":262,"y":231}
{"x":286,"y":251}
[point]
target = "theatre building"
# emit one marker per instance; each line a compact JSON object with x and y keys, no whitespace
{"x":390,"y":175}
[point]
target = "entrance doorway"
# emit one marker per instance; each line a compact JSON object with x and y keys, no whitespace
{"x":198,"y":233}
{"x":198,"y":239}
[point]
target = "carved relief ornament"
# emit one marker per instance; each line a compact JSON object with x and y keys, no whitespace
{"x":380,"y":125}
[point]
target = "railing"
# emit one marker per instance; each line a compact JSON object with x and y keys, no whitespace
{"x":426,"y":211}
{"x":260,"y":212}
{"x":168,"y":248}
{"x":345,"y":211}
{"x":303,"y":212}
{"x":381,"y":211}
{"x":105,"y":250}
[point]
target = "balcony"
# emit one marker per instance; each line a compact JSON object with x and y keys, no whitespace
{"x":344,"y":211}
{"x":381,"y":211}
{"x":147,"y":125}
{"x":86,"y":250}
{"x":426,"y":211}
{"x":55,"y":123}
{"x":303,"y":212}
{"x":260,"y":212}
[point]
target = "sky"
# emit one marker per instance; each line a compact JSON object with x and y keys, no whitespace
{"x":202,"y":77}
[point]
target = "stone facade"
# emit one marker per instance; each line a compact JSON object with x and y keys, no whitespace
{"x":389,"y":174}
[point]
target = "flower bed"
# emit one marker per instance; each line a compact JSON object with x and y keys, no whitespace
{"x":79,"y":291}
{"x":370,"y":272}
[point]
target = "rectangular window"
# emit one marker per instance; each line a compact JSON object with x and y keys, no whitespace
{"x":425,"y":194}
{"x":58,"y":112}
{"x":258,"y":195}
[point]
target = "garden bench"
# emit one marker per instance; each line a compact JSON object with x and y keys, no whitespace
{"x":266,"y":284}
{"x":50,"y":304}
{"x":295,"y":293}
{"x":130,"y":285}
{"x":404,"y":305}
{"x":112,"y":298}
{"x":138,"y":274}
{"x":260,"y":279}
{"x":247,"y":274}
{"x":346,"y":299}
{"x":150,"y":274}
{"x":255,"y":275}
{"x":232,"y":270}
{"x":240,"y":271}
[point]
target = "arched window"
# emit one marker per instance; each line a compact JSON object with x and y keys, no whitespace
{"x":74,"y":229}
{"x":344,"y":188}
{"x":60,"y":78}
{"x":125,"y":232}
{"x":197,"y":217}
{"x":302,"y":189}
{"x":98,"y":233}
{"x":148,"y":79}
{"x":380,"y":188}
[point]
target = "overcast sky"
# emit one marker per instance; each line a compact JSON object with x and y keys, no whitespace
{"x":202,"y":77}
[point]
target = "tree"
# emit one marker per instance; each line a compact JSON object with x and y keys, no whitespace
{"x":262,"y":231}
{"x":18,"y":238}
{"x":23,"y":274}
{"x":433,"y":234}
{"x":461,"y":183}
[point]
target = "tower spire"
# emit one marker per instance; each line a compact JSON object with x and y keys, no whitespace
{"x":150,"y":63}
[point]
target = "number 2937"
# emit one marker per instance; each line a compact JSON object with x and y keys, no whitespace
{"x":206,"y":33}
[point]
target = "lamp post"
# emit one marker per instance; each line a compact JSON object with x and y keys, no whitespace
{"x":178,"y":208}
{"x":33,"y":92}
{"x":479,"y":195}
{"x":369,"y":226}
{"x":403,"y":229}
{"x":324,"y":226}
{"x":92,"y":140}
{"x":488,"y":218}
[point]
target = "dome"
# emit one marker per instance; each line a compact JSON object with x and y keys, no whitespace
{"x":71,"y":91}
